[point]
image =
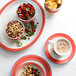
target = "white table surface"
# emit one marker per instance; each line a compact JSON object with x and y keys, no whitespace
{"x":62,"y":22}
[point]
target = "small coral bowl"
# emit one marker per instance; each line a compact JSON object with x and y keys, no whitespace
{"x":17,"y":38}
{"x":29,"y":20}
{"x":52,"y":11}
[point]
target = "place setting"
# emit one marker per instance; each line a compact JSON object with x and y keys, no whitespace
{"x":23,"y":26}
{"x":31,"y":65}
{"x":60,"y":48}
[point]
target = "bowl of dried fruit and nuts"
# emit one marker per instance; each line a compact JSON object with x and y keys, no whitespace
{"x":14,"y":30}
{"x":52,"y":6}
{"x":26,"y":12}
{"x":30,"y":69}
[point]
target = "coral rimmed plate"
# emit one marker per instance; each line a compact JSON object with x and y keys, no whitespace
{"x":53,"y":56}
{"x":8,"y":13}
{"x":35,"y":60}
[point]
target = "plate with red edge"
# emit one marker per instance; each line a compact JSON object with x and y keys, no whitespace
{"x":32,"y":60}
{"x":50,"y":51}
{"x":8,"y":13}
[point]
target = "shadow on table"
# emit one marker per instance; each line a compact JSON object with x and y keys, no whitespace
{"x":10,"y":54}
{"x":48,"y":15}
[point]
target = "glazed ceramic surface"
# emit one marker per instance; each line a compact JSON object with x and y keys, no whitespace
{"x":10,"y":14}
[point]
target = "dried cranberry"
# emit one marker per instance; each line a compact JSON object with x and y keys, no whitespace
{"x":33,"y":29}
{"x":24,"y":4}
{"x":32,"y":23}
{"x":26,"y":30}
{"x":30,"y":11}
{"x":29,"y":5}
{"x":26,"y":12}
{"x":24,"y":8}
{"x":23,"y":18}
{"x":26,"y":15}
{"x":28,"y":38}
{"x":34,"y":71}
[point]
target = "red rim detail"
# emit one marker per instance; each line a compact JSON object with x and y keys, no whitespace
{"x":35,"y":58}
{"x":65,"y":60}
{"x":43,"y":23}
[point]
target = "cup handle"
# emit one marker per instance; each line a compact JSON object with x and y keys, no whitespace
{"x":50,"y":43}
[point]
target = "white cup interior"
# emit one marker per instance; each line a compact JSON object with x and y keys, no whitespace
{"x":54,"y":47}
{"x":62,"y":54}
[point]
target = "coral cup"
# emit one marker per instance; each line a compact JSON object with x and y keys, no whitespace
{"x":52,"y":11}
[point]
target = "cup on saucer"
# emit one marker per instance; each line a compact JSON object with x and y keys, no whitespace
{"x":61,"y":47}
